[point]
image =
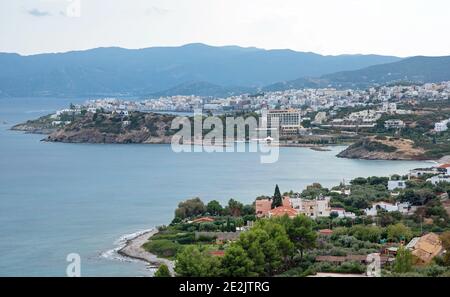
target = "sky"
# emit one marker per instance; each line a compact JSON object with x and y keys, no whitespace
{"x":331,"y":27}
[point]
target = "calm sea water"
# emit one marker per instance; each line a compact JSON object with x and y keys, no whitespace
{"x":57,"y":199}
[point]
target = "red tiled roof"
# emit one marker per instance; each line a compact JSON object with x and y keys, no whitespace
{"x":217,"y":253}
{"x":283,"y":210}
{"x":326,"y":231}
{"x":203,"y":219}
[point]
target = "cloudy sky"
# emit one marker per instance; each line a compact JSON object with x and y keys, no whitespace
{"x":391,"y":27}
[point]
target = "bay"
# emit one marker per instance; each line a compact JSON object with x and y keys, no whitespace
{"x":57,"y":198}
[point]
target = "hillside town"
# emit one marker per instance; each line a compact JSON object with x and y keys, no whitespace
{"x":294,"y":108}
{"x":302,"y":99}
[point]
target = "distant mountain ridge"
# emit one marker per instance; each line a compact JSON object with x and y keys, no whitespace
{"x":417,"y":69}
{"x":196,"y":68}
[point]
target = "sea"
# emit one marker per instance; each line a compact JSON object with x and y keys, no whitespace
{"x":57,"y":199}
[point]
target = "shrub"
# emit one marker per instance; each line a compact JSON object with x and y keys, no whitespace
{"x":163,"y":247}
{"x":163,"y":271}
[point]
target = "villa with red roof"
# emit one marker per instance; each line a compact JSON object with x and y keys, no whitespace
{"x":283,"y":210}
{"x":263,"y":206}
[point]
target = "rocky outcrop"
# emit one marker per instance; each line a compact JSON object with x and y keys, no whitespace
{"x":137,"y":127}
{"x":383,"y":148}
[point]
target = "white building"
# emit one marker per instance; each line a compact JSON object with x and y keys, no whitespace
{"x":444,"y":168}
{"x":287,"y":120}
{"x":418,"y":172}
{"x":441,"y":126}
{"x":313,"y":208}
{"x":389,"y":107}
{"x":396,"y":184}
{"x":341,"y":213}
{"x":394,"y":124}
{"x":439,"y":179}
{"x":389,"y":207}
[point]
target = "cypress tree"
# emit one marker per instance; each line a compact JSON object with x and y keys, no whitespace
{"x":277,"y":200}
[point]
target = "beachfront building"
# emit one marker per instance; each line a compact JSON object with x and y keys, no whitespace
{"x":418,"y":172}
{"x":444,"y":168}
{"x":288,"y":121}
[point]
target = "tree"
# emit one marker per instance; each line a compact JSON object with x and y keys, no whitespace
{"x":359,"y":181}
{"x":398,"y":232}
{"x":189,"y":208}
{"x":214,"y":208}
{"x":277,"y":200}
{"x":249,"y":209}
{"x":366,"y":233}
{"x":313,"y":191}
{"x":445,"y":237}
{"x":236,"y":263}
{"x":281,"y":241}
{"x":195,"y":262}
{"x":403,"y":260}
{"x":235,"y":207}
{"x":251,"y":242}
{"x":302,"y":234}
{"x":163,"y":271}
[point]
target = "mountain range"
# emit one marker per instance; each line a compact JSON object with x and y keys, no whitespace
{"x":201,"y":69}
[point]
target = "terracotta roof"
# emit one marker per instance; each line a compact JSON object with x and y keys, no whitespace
{"x":337,"y":209}
{"x":283,"y":210}
{"x":217,"y":253}
{"x":203,"y":219}
{"x":326,"y":231}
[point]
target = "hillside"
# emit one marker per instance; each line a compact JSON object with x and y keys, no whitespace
{"x":143,"y":72}
{"x":416,"y":69}
{"x":377,"y":148}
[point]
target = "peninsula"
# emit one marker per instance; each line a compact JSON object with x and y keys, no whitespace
{"x":397,"y":122}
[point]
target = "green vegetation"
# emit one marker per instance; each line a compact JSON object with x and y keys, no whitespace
{"x":190,"y":208}
{"x":283,"y":246}
{"x":403,"y":261}
{"x":277,"y":200}
{"x":266,"y":249}
{"x":163,"y":271}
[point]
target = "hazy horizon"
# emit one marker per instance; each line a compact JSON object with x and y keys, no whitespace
{"x":205,"y":44}
{"x":397,"y":28}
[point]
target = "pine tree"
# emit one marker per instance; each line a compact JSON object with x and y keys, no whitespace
{"x":163,"y":271}
{"x":277,"y":200}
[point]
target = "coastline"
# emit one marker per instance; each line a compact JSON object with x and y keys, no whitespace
{"x":133,"y":249}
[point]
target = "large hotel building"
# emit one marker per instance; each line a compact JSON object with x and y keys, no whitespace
{"x":289,"y":121}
